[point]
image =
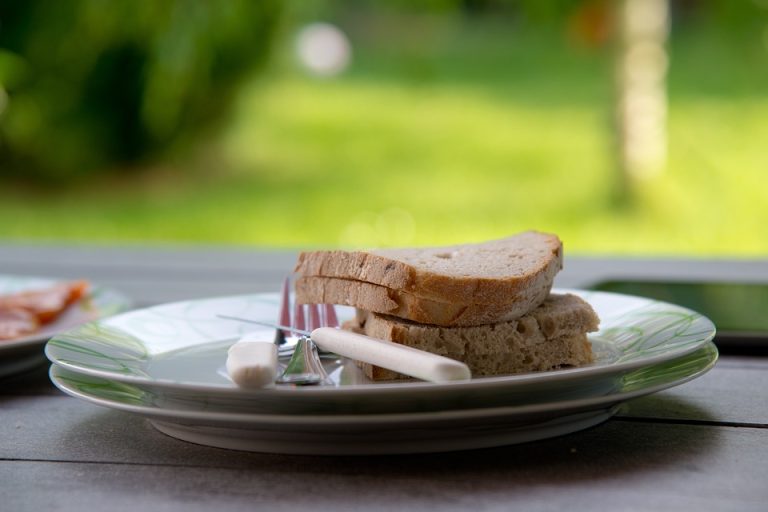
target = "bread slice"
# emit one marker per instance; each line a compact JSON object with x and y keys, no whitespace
{"x":499,"y":271}
{"x":551,"y":336}
{"x":380,"y":299}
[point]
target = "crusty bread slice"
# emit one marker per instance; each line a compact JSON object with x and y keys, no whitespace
{"x":380,"y":299}
{"x":499,"y":271}
{"x":551,"y":336}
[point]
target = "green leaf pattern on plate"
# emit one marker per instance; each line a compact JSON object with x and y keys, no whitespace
{"x":102,"y":347}
{"x":654,"y":329}
{"x":110,"y":390}
{"x":127,"y":343}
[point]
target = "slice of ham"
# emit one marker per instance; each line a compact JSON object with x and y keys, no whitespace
{"x":41,"y":306}
{"x":15,"y":323}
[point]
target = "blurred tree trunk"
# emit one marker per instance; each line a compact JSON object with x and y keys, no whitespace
{"x":641,"y":101}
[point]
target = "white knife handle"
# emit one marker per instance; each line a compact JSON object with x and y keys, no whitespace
{"x":252,"y":361}
{"x":399,"y":358}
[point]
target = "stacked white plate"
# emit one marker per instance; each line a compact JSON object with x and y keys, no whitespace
{"x":166,"y":363}
{"x":25,"y":353}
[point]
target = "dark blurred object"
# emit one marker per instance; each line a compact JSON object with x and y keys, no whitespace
{"x":87,"y":85}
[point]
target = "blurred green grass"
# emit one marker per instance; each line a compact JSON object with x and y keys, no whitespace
{"x":485,"y":132}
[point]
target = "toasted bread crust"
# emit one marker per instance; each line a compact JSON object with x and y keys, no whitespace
{"x":380,"y":299}
{"x":487,"y":273}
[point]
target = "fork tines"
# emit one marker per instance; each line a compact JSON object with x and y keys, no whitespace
{"x":329,"y":316}
{"x":305,"y":316}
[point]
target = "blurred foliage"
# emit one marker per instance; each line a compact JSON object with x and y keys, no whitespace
{"x":725,"y":13}
{"x":89,"y":85}
{"x":456,"y":121}
{"x":483,"y":132}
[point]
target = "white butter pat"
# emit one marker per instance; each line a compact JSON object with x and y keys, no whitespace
{"x":252,"y":362}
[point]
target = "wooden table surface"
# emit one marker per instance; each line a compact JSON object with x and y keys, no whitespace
{"x":700,"y":446}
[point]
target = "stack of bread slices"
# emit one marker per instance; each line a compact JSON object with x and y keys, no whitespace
{"x":488,"y":305}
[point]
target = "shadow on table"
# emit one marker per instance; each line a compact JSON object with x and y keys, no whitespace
{"x":32,"y":380}
{"x":615,"y":449}
{"x":622,"y":464}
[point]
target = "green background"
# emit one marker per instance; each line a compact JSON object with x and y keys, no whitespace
{"x":455,"y":122}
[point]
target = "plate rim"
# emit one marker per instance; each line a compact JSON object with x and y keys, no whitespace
{"x":564,"y":406}
{"x":565,"y":374}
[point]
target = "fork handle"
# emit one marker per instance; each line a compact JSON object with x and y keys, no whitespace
{"x":389,"y":355}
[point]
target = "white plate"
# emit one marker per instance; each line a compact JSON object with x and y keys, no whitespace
{"x":17,"y":354}
{"x":178,"y":352}
{"x":415,"y":432}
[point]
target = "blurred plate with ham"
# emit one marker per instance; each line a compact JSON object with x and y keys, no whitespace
{"x":34,"y":309}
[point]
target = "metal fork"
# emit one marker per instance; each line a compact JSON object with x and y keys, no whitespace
{"x":304,"y":367}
